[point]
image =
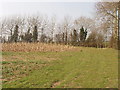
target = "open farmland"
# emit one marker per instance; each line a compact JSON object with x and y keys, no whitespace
{"x":37,"y":65}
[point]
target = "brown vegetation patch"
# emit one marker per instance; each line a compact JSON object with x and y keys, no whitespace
{"x":32,"y":47}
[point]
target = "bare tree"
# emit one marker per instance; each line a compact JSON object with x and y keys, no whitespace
{"x":66,"y":26}
{"x":53,"y":27}
{"x":108,"y":11}
{"x":44,"y":27}
{"x":8,"y":25}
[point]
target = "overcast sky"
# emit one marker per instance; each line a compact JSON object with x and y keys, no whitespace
{"x":60,"y":9}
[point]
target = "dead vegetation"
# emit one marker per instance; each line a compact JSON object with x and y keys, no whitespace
{"x":32,"y":47}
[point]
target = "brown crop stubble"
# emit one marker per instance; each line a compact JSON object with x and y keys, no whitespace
{"x":32,"y":47}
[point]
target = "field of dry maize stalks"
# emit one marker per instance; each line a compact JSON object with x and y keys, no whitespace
{"x":32,"y":47}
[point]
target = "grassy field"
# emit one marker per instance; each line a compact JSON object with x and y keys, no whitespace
{"x":78,"y":67}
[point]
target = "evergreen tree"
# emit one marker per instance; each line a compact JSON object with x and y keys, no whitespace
{"x":66,"y":41}
{"x":63,"y":38}
{"x":27,"y":37}
{"x":35,"y":34}
{"x":14,"y":37}
{"x":83,"y":34}
{"x":42,"y":35}
{"x":74,"y":37}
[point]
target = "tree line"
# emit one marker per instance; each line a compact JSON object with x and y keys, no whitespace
{"x":100,"y":31}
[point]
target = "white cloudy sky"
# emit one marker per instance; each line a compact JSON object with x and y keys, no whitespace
{"x":60,"y":9}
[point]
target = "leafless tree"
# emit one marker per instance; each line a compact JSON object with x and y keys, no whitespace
{"x":107,"y":12}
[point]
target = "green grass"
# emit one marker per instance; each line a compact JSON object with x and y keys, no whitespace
{"x":86,"y":68}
